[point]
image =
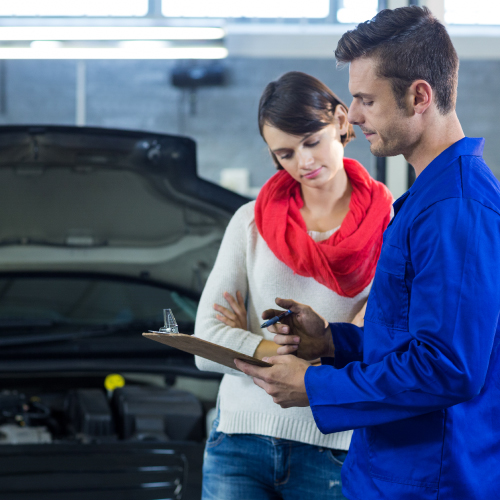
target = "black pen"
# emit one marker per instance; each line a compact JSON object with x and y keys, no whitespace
{"x":271,"y":321}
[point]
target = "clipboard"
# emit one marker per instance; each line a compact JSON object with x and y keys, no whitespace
{"x":203,"y":348}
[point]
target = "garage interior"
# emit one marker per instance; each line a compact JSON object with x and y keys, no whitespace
{"x":142,"y":81}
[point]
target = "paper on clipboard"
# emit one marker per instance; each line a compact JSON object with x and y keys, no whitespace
{"x":203,"y":348}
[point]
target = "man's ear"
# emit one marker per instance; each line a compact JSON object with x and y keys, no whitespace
{"x":420,"y":93}
{"x":340,"y":115}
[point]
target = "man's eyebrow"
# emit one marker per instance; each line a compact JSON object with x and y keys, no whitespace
{"x":362,"y":95}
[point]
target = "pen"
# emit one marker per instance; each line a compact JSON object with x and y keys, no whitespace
{"x":271,"y":321}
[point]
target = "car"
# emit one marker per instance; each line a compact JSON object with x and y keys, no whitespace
{"x":100,"y":230}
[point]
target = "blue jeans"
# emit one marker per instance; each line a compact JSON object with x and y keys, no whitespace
{"x":254,"y":467}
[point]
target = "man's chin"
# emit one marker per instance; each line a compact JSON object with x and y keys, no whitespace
{"x":377,"y":151}
{"x":382,"y":152}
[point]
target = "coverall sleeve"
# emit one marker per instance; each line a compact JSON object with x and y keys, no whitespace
{"x":452,"y":320}
{"x":348,"y":342}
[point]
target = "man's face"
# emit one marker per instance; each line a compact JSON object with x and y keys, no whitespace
{"x":374,"y":109}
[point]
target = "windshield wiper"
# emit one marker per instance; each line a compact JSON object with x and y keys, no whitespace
{"x":82,"y":333}
{"x":13,"y":323}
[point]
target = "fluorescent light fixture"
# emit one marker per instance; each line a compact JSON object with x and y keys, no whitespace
{"x":51,"y":52}
{"x":77,"y":8}
{"x":66,"y":33}
{"x":46,"y":44}
{"x":244,"y":8}
{"x":357,"y":11}
{"x":142,"y":44}
{"x":477,"y":12}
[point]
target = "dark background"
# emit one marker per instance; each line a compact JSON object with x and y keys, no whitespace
{"x":138,"y":95}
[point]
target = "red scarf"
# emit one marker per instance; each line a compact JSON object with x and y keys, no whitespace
{"x":346,"y":261}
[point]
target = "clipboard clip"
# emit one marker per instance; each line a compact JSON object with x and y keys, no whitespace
{"x":170,"y":324}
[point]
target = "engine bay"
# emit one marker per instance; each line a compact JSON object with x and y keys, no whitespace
{"x":92,"y":414}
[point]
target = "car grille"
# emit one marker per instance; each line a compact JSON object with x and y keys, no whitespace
{"x":142,"y":471}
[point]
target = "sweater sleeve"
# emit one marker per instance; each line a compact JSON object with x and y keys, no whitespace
{"x":229,"y":274}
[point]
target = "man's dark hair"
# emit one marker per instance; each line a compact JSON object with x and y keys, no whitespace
{"x":409,"y":44}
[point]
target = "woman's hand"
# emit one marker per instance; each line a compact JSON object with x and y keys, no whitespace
{"x":236,"y":317}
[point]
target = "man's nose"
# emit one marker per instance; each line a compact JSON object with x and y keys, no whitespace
{"x":353,"y":115}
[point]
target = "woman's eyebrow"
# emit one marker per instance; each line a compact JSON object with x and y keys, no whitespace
{"x":307,"y":136}
{"x":277,"y":150}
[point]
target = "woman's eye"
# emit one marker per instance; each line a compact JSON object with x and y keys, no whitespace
{"x":312,"y":144}
{"x":285,"y":157}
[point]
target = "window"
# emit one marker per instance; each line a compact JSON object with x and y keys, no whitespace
{"x":356,"y":11}
{"x":467,"y":12}
{"x":75,"y":8}
{"x":56,"y":301}
{"x":244,"y":8}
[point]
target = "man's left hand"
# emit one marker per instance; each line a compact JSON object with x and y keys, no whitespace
{"x":284,"y":381}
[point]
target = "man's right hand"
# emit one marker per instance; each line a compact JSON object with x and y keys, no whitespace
{"x":304,"y":332}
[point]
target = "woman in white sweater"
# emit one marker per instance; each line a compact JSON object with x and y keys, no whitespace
{"x":313,"y":234}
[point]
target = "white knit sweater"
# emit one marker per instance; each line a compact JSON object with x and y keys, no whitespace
{"x":246,"y":263}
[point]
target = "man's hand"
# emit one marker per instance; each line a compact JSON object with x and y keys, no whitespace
{"x":284,"y":381}
{"x":305,"y":332}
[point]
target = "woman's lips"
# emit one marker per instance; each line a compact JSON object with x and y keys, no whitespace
{"x":313,"y":174}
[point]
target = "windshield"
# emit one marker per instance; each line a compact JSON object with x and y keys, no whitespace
{"x":88,"y":301}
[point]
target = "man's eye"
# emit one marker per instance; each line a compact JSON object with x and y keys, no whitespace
{"x":367,"y":103}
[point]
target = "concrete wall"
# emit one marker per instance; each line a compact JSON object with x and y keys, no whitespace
{"x":138,"y":95}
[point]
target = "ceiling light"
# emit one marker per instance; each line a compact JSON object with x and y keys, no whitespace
{"x":142,"y":44}
{"x":51,"y":52}
{"x":46,"y":44}
{"x":22,"y":33}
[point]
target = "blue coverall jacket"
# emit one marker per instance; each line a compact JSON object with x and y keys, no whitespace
{"x":421,"y":382}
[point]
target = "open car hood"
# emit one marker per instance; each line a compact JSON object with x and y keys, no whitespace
{"x":113,"y":201}
{"x":90,"y":205}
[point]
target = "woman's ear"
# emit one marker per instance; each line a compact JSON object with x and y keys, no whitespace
{"x":340,"y":116}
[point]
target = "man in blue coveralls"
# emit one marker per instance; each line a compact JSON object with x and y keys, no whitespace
{"x":420,"y":383}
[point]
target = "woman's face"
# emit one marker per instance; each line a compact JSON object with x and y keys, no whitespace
{"x":312,"y":159}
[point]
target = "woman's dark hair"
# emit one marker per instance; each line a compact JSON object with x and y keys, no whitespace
{"x":408,"y":44}
{"x":299,"y":104}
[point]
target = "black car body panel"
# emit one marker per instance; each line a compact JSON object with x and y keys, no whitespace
{"x":142,"y":471}
{"x":99,"y":230}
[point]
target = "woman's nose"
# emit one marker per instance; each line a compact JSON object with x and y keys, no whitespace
{"x":305,"y":159}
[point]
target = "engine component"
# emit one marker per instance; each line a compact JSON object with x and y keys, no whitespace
{"x":89,"y":413}
{"x":14,"y":434}
{"x":157,"y":413}
{"x":16,"y":409}
{"x":12,"y":405}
